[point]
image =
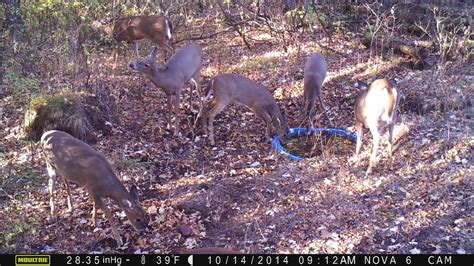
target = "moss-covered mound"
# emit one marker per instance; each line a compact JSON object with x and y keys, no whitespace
{"x":62,"y":111}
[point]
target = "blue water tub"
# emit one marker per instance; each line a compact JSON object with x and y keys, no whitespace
{"x":300,"y":131}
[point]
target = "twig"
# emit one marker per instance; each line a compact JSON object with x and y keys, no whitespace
{"x":203,"y":37}
{"x":234,"y":25}
{"x":9,"y":196}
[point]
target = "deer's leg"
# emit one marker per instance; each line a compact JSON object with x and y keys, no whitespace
{"x":135,"y":46}
{"x":205,"y":116}
{"x":391,"y":127}
{"x":51,"y":177}
{"x":168,"y":98}
{"x":176,"y":110}
{"x":197,"y":82}
{"x":309,"y":109}
{"x":376,"y":140}
{"x":217,"y":108}
{"x":324,"y":111}
{"x":94,"y":213}
{"x":263,"y":113}
{"x":191,"y":93}
{"x":390,"y":139}
{"x":69,"y":196}
{"x":360,"y":135}
{"x":98,"y":200}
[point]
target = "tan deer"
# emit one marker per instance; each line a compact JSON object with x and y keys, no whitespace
{"x":315,"y":70}
{"x":232,"y":88}
{"x":376,"y":107}
{"x":157,"y":29}
{"x":78,"y":162}
{"x":183,"y":66}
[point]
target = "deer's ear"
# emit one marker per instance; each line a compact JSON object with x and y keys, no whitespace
{"x":127,"y":204}
{"x":361,"y":85}
{"x":134,"y":193}
{"x":154,"y":52}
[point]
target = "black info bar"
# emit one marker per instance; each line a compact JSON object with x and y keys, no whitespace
{"x":243,"y":259}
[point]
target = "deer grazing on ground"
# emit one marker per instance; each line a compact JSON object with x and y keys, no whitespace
{"x":374,"y":108}
{"x":183,"y":66}
{"x":78,"y":162}
{"x":315,"y":70}
{"x":157,"y":29}
{"x":232,"y":88}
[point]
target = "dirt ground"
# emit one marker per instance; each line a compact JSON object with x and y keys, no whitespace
{"x":240,"y":194}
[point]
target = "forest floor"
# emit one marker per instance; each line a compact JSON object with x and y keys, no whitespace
{"x":242,"y":195}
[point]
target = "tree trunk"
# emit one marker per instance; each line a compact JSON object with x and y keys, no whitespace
{"x":13,"y":25}
{"x":13,"y":19}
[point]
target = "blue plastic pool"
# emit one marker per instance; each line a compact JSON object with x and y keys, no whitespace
{"x":296,"y":132}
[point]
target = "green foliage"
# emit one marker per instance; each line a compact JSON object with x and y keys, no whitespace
{"x":296,"y":13}
{"x":18,"y":84}
{"x":312,"y":17}
{"x":62,"y":111}
{"x":55,"y":104}
{"x":16,"y":229}
{"x":388,"y":215}
{"x":260,"y":63}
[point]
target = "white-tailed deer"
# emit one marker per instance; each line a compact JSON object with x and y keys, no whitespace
{"x":183,"y":66}
{"x":78,"y":162}
{"x":232,"y":88}
{"x":131,"y":29}
{"x":315,"y":70}
{"x":376,"y":107}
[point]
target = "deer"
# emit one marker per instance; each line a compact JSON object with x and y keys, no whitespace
{"x":157,"y":29}
{"x":183,"y":66}
{"x":315,"y":70}
{"x":78,"y":162}
{"x":233,"y":88}
{"x":376,"y":107}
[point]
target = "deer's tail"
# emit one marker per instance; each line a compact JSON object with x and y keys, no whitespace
{"x":207,"y":93}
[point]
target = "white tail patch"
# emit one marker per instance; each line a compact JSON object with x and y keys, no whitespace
{"x":208,"y":95}
{"x":168,"y":29}
{"x":45,"y":135}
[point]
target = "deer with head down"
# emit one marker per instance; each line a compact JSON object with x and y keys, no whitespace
{"x":232,"y":88}
{"x":183,"y":66}
{"x":375,"y":107}
{"x":78,"y":162}
{"x":157,"y":29}
{"x":315,"y":70}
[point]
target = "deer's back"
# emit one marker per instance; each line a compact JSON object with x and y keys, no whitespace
{"x":316,"y":64}
{"x":186,"y":61}
{"x":241,"y":90}
{"x":76,"y":160}
{"x":376,"y":103}
{"x":138,"y":27}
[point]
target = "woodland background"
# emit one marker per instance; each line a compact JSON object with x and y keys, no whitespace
{"x":241,"y":194}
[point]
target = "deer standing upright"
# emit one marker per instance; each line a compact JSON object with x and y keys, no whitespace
{"x":157,"y":29}
{"x":78,"y":162}
{"x":183,"y":66}
{"x":232,"y":88}
{"x":375,"y":107}
{"x":315,"y":70}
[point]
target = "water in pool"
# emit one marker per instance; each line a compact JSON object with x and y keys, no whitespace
{"x":318,"y":144}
